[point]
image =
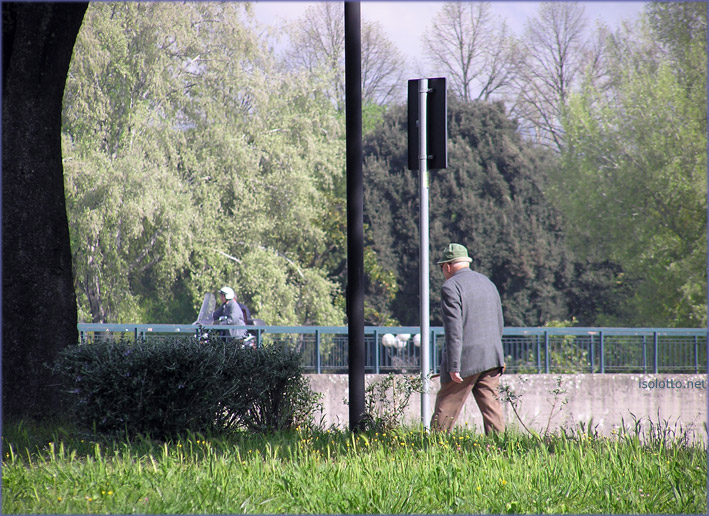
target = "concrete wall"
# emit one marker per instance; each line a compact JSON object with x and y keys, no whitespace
{"x":606,"y":401}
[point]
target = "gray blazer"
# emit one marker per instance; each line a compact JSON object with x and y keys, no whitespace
{"x":472,"y":319}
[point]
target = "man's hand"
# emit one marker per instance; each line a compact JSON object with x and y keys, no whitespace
{"x":455,"y":376}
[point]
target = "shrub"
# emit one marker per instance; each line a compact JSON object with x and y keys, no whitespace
{"x":166,"y":386}
{"x":269,"y":390}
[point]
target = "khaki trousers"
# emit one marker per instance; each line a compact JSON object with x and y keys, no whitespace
{"x":452,"y":396}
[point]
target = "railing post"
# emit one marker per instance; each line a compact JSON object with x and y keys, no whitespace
{"x":318,"y":362}
{"x":696,"y":355}
{"x":603,"y":353}
{"x":546,"y":351}
{"x":376,"y":352}
{"x":644,"y":354}
{"x":539,"y":355}
{"x":593,"y":354}
{"x":656,"y":346}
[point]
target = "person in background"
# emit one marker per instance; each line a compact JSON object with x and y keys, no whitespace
{"x":473,"y":359}
{"x":229,"y":313}
{"x":248,"y":320}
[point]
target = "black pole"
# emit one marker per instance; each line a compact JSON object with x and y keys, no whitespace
{"x":355,"y":228}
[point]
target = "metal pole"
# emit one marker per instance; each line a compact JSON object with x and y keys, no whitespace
{"x":592,"y":354}
{"x":656,"y":348}
{"x":539,"y":356}
{"x":547,"y":358}
{"x":423,"y":253}
{"x":355,"y":212}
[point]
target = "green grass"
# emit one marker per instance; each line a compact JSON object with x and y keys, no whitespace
{"x":58,"y":471}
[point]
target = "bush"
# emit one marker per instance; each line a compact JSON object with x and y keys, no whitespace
{"x":167,"y":386}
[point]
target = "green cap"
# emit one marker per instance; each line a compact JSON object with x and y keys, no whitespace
{"x":455,"y":253}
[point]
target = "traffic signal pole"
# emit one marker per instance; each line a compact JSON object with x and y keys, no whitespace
{"x":428,"y":149}
{"x":423,"y":252}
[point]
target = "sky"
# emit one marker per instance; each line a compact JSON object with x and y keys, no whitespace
{"x":405,"y":22}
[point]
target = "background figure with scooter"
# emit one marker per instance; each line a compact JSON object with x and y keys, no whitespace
{"x":229,"y":313}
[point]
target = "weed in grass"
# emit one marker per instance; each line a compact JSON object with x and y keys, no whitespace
{"x":557,"y":392}
{"x":508,"y":395}
{"x":386,"y":399}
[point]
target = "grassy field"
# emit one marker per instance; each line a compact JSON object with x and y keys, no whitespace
{"x":58,"y":470}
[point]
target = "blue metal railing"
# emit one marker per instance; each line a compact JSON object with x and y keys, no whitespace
{"x":527,"y":350}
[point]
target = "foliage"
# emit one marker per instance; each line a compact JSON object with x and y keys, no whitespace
{"x":269,"y":391}
{"x":386,"y":399}
{"x":119,"y":156}
{"x":491,"y":198}
{"x":567,"y":354}
{"x":406,"y":471}
{"x":165,"y":387}
{"x":372,"y":117}
{"x":381,"y":285}
{"x":190,"y":159}
{"x":634,"y":178}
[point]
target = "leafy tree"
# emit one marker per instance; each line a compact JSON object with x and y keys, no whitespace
{"x":216,"y":170}
{"x":680,"y":28}
{"x":491,"y":199}
{"x":269,"y":187}
{"x":634,"y":182}
{"x":131,"y":216}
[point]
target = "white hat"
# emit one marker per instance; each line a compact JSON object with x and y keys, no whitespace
{"x":228,"y":293}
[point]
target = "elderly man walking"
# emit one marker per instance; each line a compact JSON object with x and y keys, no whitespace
{"x":473,"y":359}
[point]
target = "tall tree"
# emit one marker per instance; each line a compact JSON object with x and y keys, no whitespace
{"x":634,"y":184}
{"x":240,"y":156}
{"x":492,"y":199}
{"x":382,"y":66}
{"x":38,"y":40}
{"x":467,"y":45}
{"x":556,"y":50}
{"x":129,"y":235}
{"x":317,"y":44}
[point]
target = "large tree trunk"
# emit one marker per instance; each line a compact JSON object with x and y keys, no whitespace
{"x":38,"y":300}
